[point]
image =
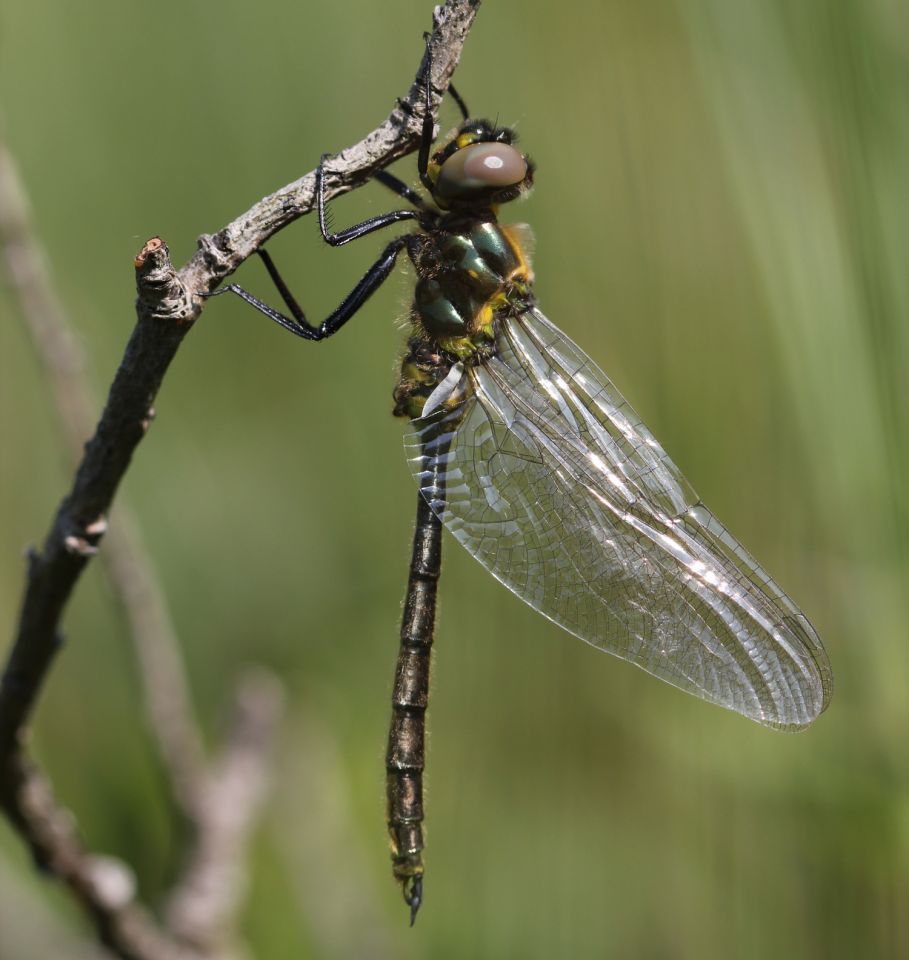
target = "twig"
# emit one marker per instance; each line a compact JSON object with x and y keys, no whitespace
{"x":133,"y":578}
{"x":81,"y":518}
{"x":105,"y":887}
{"x":47,"y":829}
{"x":221,"y":253}
{"x":218,"y":838}
{"x":39,"y":930}
{"x":219,"y":823}
{"x":161,"y":670}
{"x":167,"y":305}
{"x":205,"y":901}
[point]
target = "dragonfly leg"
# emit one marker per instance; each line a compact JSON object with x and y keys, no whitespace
{"x":426,"y":137}
{"x":297,"y":323}
{"x":405,"y":760}
{"x":405,"y":107}
{"x":459,"y":100}
{"x":400,"y":188}
{"x":360,"y":229}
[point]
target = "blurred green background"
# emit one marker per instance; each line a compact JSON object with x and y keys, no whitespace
{"x":722,"y":221}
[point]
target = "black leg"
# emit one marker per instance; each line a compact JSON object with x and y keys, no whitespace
{"x":426,"y":135}
{"x":360,"y":229}
{"x":371,"y":281}
{"x":405,"y":107}
{"x":296,"y":311}
{"x":400,"y":188}
{"x":465,"y":113}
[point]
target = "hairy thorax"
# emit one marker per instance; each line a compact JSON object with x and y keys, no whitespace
{"x":469,"y":271}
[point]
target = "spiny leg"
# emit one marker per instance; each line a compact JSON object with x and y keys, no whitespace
{"x":380,"y":270}
{"x":299,"y":325}
{"x":373,"y":278}
{"x":428,"y":125}
{"x":357,"y":230}
{"x":426,"y":137}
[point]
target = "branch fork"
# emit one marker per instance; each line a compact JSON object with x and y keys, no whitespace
{"x":220,"y":798}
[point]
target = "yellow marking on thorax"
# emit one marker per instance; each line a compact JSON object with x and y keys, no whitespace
{"x":517,"y":235}
{"x":522,"y":274}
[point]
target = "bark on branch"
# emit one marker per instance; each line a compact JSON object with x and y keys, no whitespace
{"x":221,"y":253}
{"x":104,"y":887}
{"x":168,"y":303}
{"x":81,"y":519}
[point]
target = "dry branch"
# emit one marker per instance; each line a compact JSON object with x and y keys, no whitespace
{"x":168,"y":303}
{"x":221,"y":253}
{"x":135,"y":584}
{"x":104,"y":887}
{"x":213,"y":885}
{"x":81,"y":518}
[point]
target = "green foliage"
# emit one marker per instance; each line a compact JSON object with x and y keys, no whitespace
{"x":720,"y":220}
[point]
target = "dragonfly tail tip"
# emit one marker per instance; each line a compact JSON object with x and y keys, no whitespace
{"x":414,"y":897}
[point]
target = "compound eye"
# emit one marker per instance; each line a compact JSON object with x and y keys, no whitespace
{"x":481,"y":166}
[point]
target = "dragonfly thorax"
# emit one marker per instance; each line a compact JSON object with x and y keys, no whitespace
{"x":469,"y":272}
{"x":466,"y":270}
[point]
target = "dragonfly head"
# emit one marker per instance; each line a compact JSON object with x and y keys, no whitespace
{"x":479,"y":166}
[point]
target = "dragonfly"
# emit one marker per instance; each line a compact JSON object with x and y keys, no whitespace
{"x":528,"y":454}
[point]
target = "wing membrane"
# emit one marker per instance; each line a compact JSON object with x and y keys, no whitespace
{"x":539,"y":467}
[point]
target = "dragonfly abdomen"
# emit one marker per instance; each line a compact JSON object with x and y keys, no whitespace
{"x":405,"y":758}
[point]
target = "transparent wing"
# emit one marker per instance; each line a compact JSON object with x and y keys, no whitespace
{"x":540,"y":468}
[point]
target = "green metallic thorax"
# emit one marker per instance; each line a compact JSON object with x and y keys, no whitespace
{"x":468,"y":271}
{"x":460,"y":270}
